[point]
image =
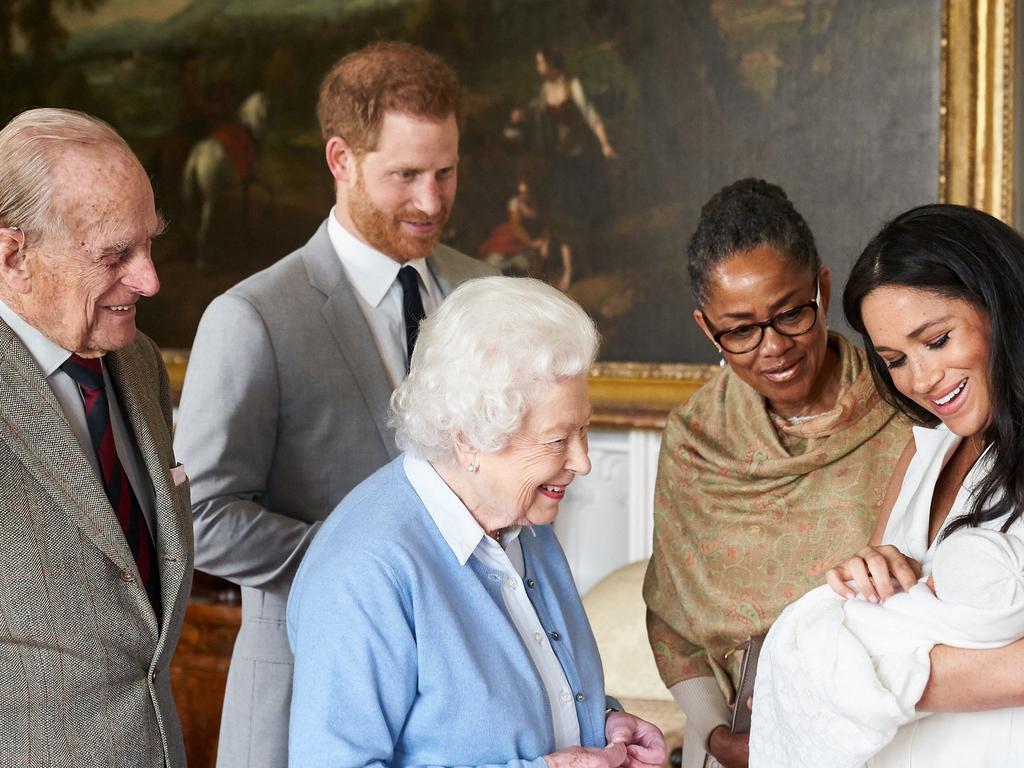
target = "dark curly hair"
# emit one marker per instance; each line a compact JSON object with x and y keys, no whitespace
{"x":965,"y":254}
{"x":742,"y":216}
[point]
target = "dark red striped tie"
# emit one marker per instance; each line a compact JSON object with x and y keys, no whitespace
{"x":88,"y":375}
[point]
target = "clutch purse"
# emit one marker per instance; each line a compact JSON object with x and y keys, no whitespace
{"x":740,"y":710}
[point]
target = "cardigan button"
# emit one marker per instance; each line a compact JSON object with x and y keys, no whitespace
{"x":580,"y":696}
{"x":555,"y":636}
{"x":531,"y":583}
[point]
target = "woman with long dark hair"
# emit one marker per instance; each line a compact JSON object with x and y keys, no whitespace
{"x":938,"y":296}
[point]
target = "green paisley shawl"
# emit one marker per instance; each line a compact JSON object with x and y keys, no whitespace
{"x":749,"y":512}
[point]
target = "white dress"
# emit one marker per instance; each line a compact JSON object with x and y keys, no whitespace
{"x":991,"y":739}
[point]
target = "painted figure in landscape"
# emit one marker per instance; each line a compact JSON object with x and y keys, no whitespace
{"x":565,"y":144}
{"x":223,"y":160}
{"x":518,"y":244}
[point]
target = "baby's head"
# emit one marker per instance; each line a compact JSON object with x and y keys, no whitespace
{"x":980,"y":568}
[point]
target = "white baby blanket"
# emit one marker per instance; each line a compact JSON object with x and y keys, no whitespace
{"x":837,"y":678}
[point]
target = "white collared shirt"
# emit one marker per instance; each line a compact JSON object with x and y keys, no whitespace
{"x":467,"y":539}
{"x":50,"y":356}
{"x":374,"y":276}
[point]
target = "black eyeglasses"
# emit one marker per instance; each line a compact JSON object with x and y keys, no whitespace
{"x":746,"y":338}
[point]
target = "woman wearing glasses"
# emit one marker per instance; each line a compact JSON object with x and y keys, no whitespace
{"x":771,"y":472}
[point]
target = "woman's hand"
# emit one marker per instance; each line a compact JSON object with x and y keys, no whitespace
{"x":644,"y":742}
{"x":612,"y":756}
{"x":732,"y":750}
{"x":873,"y":569}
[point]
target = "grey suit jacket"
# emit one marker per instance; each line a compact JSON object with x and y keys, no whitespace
{"x":284,"y":410}
{"x":84,"y":665}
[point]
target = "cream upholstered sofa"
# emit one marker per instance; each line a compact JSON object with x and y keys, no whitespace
{"x":615,"y":607}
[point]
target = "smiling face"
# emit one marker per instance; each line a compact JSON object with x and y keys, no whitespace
{"x":790,"y":372}
{"x":525,"y":481}
{"x":84,"y":282}
{"x":937,"y":352}
{"x":398,"y":196}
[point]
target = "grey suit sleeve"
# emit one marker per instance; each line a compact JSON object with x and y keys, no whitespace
{"x":227,"y":428}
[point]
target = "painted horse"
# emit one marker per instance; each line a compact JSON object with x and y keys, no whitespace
{"x":224,"y":160}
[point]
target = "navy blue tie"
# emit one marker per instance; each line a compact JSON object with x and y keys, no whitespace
{"x":412,"y":308}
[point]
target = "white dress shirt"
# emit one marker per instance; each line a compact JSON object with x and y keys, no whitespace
{"x":49,"y":356}
{"x":467,"y":539}
{"x":374,"y":276}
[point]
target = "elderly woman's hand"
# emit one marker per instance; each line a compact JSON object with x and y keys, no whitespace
{"x":873,"y":569}
{"x":612,"y":756}
{"x":644,"y":742}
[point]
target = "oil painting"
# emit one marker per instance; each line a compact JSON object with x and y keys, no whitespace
{"x":594,"y":129}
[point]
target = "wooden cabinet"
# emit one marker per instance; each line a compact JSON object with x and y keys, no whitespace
{"x":199,"y":670}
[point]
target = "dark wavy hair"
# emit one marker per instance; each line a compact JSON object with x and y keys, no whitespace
{"x":744,"y":215}
{"x":554,"y":58}
{"x":960,"y":253}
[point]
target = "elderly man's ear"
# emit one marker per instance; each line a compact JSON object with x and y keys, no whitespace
{"x":14,"y":270}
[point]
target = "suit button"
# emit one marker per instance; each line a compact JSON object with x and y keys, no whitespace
{"x":126,"y":576}
{"x":555,"y":636}
{"x":531,"y":583}
{"x":580,"y":696}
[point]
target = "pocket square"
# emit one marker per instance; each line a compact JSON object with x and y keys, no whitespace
{"x":178,"y":474}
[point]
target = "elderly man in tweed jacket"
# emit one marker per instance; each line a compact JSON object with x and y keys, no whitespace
{"x":95,"y":528}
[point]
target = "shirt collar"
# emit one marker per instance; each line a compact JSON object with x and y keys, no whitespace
{"x":458,"y":527}
{"x":371,"y":272}
{"x":49,"y":355}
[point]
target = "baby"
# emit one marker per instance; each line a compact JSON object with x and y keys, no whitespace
{"x":838,"y":679}
{"x":980,"y":569}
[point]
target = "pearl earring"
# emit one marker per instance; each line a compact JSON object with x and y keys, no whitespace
{"x":472,"y":467}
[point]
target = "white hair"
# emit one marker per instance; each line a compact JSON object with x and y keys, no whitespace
{"x":30,"y":146}
{"x":480,"y":359}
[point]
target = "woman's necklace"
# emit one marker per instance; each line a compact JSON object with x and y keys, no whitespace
{"x":794,"y":421}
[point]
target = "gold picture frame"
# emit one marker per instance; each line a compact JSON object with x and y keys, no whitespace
{"x":976,"y":168}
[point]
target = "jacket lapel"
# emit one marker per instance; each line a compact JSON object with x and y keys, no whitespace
{"x":33,"y":424}
{"x":348,"y":325}
{"x":142,"y":410}
{"x":351,"y":332}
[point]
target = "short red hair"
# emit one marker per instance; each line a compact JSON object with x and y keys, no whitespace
{"x":385,"y":77}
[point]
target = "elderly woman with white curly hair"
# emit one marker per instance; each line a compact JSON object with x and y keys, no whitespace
{"x":434,"y":620}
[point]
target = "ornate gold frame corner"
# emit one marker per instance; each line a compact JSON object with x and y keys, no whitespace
{"x":641,"y":394}
{"x":976,"y":114}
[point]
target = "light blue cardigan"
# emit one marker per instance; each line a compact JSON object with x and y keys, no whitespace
{"x":405,"y":658}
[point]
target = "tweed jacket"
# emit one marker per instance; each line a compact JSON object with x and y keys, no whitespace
{"x":84,"y":663}
{"x":284,"y":410}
